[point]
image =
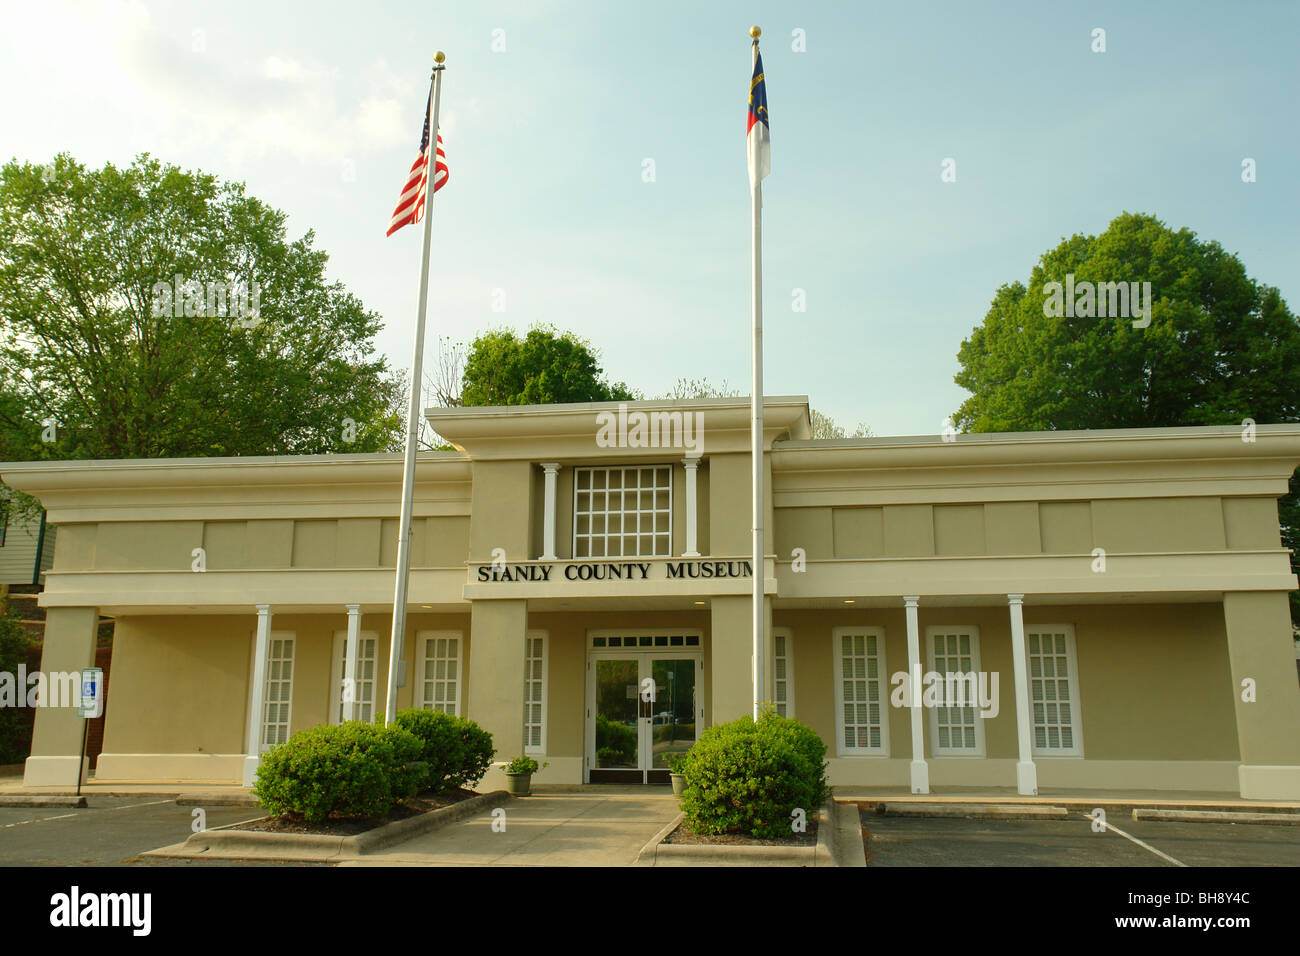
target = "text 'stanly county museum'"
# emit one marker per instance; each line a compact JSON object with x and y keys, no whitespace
{"x":1121,"y":595}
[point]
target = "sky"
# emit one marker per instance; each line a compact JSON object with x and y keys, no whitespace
{"x":554,"y":113}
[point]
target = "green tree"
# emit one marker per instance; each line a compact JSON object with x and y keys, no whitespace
{"x":265,"y":356}
{"x":1220,"y":348}
{"x":543,"y":367}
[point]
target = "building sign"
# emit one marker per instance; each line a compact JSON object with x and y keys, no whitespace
{"x":692,"y":569}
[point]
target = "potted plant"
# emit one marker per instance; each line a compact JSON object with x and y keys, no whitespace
{"x":519,"y":775}
{"x":674,"y":762}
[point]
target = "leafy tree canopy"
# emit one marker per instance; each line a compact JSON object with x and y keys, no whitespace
{"x":1220,"y":348}
{"x":151,"y":311}
{"x":544,"y":366}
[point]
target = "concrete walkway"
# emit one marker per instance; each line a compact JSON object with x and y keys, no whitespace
{"x":596,"y":826}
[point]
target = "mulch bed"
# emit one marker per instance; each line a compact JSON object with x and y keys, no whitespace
{"x":351,"y":826}
{"x":684,"y":834}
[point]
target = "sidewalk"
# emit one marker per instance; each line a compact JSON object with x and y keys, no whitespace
{"x":597,"y":826}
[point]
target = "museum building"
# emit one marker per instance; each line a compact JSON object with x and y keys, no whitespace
{"x":1119,"y":599}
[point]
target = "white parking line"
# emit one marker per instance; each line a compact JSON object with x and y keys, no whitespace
{"x":62,"y":816}
{"x":1146,"y":846}
{"x":65,"y":816}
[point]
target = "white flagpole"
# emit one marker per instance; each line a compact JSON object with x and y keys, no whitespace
{"x":413,"y":413}
{"x":756,"y":425}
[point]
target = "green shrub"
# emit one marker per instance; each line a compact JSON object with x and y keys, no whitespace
{"x":456,"y":751}
{"x":15,"y":722}
{"x":353,"y":769}
{"x":748,"y":777}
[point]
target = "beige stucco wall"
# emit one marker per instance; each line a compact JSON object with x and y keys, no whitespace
{"x":1141,"y":525}
{"x":1154,"y":681}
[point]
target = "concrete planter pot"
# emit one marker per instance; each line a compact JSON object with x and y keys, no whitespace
{"x":679,"y":783}
{"x":519,"y":784}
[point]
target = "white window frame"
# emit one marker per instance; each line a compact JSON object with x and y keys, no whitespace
{"x":786,"y":635}
{"x":931,"y":633}
{"x":542,"y":680}
{"x":605,"y":535}
{"x":1076,"y":709}
{"x":423,"y":639}
{"x":882,"y":671}
{"x":263,"y":724}
{"x":337,"y":664}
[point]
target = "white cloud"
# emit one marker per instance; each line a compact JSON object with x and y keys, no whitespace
{"x":236,"y":103}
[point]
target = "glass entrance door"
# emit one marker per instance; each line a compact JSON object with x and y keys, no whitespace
{"x":642,"y":707}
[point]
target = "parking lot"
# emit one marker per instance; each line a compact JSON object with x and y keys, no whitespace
{"x":914,"y":841}
{"x":111,"y":831}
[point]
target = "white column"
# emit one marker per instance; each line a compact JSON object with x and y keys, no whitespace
{"x":1026,"y":773}
{"x":692,"y":509}
{"x":920,"y":769}
{"x":253,"y":747}
{"x":350,"y":664}
{"x":551,"y":469}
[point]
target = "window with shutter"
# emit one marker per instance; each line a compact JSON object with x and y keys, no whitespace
{"x":364,"y":688}
{"x":861,"y":714}
{"x":783,"y":671}
{"x":956,"y":728}
{"x":277,"y":693}
{"x":1054,"y":691}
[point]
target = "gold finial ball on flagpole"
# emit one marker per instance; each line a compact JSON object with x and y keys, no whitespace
{"x":439,"y":57}
{"x":755,"y":32}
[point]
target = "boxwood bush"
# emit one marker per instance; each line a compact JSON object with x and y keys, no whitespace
{"x":456,"y":751}
{"x":352,"y":769}
{"x":748,"y":776}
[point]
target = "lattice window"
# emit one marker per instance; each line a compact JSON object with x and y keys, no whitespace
{"x":535,"y":693}
{"x":622,"y":512}
{"x":860,"y":690}
{"x":783,"y":672}
{"x":364,"y":688}
{"x":955,"y":723}
{"x":440,"y":671}
{"x":277,"y":692}
{"x":1053,"y":691}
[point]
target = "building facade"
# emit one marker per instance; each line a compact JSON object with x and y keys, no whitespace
{"x":581,"y":587}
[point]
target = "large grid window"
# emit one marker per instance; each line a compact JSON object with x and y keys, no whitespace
{"x":956,"y":730}
{"x":535,"y":692}
{"x":622,"y":512}
{"x":1054,"y":691}
{"x":277,"y":692}
{"x":860,"y":714}
{"x":440,"y":671}
{"x":363,"y":691}
{"x":783,"y":671}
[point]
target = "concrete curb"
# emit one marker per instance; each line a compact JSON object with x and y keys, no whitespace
{"x":970,"y":811}
{"x":698,"y":854}
{"x":846,"y":834}
{"x":230,"y":843}
{"x":1217,"y":816}
{"x":22,"y":800}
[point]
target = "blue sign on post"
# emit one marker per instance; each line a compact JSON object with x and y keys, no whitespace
{"x":92,"y":692}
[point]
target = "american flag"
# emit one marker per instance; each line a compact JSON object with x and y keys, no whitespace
{"x":410,"y":205}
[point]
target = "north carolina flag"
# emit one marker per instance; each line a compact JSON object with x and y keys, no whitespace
{"x":760,"y":139}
